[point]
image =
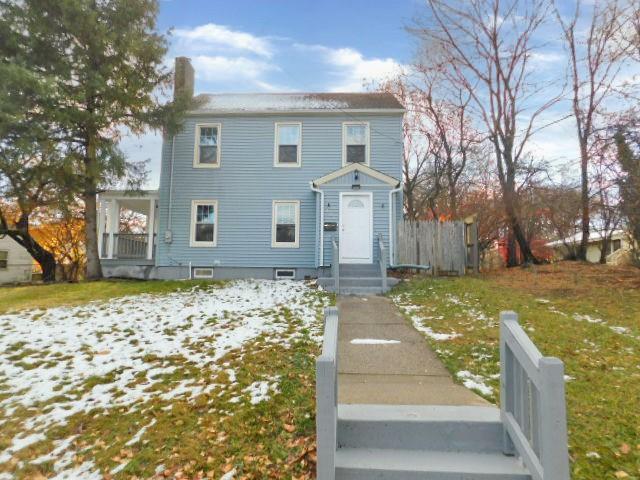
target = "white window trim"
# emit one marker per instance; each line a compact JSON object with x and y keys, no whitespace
{"x":276,"y":150}
{"x":194,"y":209}
{"x":367,"y":147}
{"x":196,"y":149}
{"x":275,"y":244}
{"x":208,"y":275}
{"x":278,"y":270}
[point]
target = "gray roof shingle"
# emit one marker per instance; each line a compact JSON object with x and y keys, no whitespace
{"x":274,"y":102}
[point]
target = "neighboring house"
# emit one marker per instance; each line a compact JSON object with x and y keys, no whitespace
{"x":16,"y":265}
{"x":619,"y":240}
{"x":259,"y":185}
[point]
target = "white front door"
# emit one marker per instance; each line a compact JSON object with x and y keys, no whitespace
{"x":356,"y":243}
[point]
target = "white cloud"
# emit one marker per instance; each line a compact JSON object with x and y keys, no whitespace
{"x":212,"y":35}
{"x":220,"y":68}
{"x":352,"y":69}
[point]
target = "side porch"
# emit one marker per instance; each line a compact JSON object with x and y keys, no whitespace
{"x":127,"y":232}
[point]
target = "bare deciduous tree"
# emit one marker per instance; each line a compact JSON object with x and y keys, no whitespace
{"x":485,"y":50}
{"x":595,"y":60}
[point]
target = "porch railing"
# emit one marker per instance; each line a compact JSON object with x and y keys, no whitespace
{"x":327,"y":397}
{"x":335,"y":264}
{"x":532,"y":403}
{"x":127,"y":245}
{"x":383,"y":262}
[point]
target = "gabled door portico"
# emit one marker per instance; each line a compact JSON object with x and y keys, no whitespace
{"x":356,"y":227}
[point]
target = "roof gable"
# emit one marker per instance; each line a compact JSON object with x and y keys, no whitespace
{"x":383,"y":178}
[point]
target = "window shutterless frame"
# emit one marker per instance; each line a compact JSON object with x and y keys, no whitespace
{"x":193,"y":224}
{"x":274,"y":224}
{"x":196,"y":150}
{"x":4,"y":259}
{"x":367,"y":144}
{"x":276,"y":148}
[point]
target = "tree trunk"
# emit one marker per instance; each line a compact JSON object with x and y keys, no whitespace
{"x":45,"y":258}
{"x":584,"y":199}
{"x":94,"y":269}
{"x":511,"y":209}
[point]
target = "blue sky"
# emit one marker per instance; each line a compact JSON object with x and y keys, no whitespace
{"x":329,"y":45}
{"x":260,"y":45}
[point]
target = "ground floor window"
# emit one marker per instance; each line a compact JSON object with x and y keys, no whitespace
{"x":617,"y":245}
{"x":204,"y":220}
{"x":286,"y":223}
{"x":4,"y":259}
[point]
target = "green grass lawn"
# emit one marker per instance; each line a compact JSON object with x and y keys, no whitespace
{"x":588,"y":316}
{"x":57,"y":294}
{"x":212,"y":427}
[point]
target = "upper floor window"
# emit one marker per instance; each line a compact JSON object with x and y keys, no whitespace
{"x":288,"y":144}
{"x":207,"y":152}
{"x":285,"y":230}
{"x":204,"y":223}
{"x":4,"y":259}
{"x":355,"y":143}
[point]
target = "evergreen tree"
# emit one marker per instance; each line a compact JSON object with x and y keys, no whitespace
{"x":97,"y":67}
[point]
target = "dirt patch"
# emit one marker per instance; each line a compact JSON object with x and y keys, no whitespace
{"x":567,"y":278}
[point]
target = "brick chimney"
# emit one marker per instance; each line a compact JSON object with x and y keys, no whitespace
{"x":183,"y":77}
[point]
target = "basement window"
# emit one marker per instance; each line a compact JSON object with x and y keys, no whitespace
{"x":285,"y":274}
{"x":200,"y":272}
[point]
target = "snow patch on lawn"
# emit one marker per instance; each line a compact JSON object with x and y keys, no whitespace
{"x":126,"y":346}
{"x":262,"y":390}
{"x":373,"y":341}
{"x":419,"y":321}
{"x":474,"y":382}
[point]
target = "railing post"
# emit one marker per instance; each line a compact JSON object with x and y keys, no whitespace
{"x":506,"y":370}
{"x":335,"y":265}
{"x":553,"y":427}
{"x":151,"y":218}
{"x":327,"y":398}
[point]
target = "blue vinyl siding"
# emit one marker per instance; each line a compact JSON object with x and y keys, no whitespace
{"x":247,"y":182}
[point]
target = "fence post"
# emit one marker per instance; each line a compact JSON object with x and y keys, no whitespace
{"x":506,"y":369}
{"x":327,"y":398}
{"x":553,"y":428}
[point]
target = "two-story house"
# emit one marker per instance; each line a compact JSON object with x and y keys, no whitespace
{"x":261,"y":185}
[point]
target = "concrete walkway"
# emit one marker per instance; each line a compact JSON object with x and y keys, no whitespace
{"x":404,"y":373}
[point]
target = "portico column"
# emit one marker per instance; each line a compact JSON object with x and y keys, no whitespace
{"x":114,"y":221}
{"x":151,"y":218}
{"x":102,"y":207}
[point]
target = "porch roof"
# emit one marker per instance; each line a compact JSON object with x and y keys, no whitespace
{"x":359,"y":167}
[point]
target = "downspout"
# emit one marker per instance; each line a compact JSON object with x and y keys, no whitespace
{"x":392,"y":253}
{"x":173,"y":152}
{"x":317,"y":190}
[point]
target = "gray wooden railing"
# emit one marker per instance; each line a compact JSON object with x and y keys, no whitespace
{"x":126,"y":245}
{"x":335,"y":264}
{"x":327,"y":397}
{"x":532,"y":403}
{"x":383,"y":262}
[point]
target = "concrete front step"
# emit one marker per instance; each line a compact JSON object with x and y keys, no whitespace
{"x":360,"y":291}
{"x":359,"y":270}
{"x":357,"y":281}
{"x":392,"y":464}
{"x":420,"y":427}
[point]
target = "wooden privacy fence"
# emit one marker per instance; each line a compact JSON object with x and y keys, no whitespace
{"x":442,"y":245}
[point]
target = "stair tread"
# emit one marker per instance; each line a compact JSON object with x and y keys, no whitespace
{"x":417,"y":413}
{"x":428,"y":461}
